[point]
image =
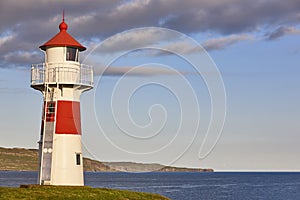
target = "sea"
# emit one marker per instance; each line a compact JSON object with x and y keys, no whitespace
{"x":187,"y":185}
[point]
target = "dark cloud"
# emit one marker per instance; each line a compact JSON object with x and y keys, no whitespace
{"x":282,"y":31}
{"x":27,"y":24}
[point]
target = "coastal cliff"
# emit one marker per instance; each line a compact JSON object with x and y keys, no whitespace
{"x":20,"y":159}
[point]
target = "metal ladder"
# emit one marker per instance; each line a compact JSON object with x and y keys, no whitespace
{"x":49,"y":112}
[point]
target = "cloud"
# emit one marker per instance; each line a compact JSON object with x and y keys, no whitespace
{"x":133,"y":39}
{"x":94,"y":18}
{"x":5,"y":38}
{"x":131,"y":6}
{"x":135,"y":71}
{"x":182,"y":47}
{"x":30,"y":23}
{"x":221,"y":43}
{"x":21,"y":57}
{"x":185,"y":47}
{"x":282,"y":31}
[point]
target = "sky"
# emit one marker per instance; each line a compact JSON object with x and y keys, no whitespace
{"x":192,"y":83}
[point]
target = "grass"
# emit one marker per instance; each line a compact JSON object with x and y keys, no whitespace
{"x":61,"y":192}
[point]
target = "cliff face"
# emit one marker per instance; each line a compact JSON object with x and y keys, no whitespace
{"x":183,"y":169}
{"x":96,"y":166}
{"x":141,"y":167}
{"x":19,"y":159}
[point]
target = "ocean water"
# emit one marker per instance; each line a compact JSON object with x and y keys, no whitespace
{"x":180,"y":186}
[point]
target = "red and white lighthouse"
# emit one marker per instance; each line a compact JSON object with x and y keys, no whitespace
{"x":61,"y":79}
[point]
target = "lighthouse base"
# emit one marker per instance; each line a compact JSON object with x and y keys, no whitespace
{"x":65,"y":167}
{"x":67,"y":162}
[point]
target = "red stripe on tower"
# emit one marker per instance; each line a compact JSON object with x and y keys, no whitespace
{"x":68,"y":117}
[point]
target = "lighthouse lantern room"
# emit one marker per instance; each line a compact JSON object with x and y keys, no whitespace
{"x":61,"y":79}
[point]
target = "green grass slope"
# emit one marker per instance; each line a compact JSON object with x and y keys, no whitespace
{"x":56,"y":192}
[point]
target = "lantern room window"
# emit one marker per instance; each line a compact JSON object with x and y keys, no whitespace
{"x":72,"y":54}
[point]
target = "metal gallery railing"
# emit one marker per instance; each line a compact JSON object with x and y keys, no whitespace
{"x":61,"y":73}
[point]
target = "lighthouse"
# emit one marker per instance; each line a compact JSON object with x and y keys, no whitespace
{"x":61,"y":79}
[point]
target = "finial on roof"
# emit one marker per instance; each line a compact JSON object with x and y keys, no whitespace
{"x":63,"y":38}
{"x":63,"y":26}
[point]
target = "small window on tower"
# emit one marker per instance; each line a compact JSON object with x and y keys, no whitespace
{"x":51,"y":107}
{"x":72,"y":54}
{"x":78,"y":159}
{"x":50,"y":111}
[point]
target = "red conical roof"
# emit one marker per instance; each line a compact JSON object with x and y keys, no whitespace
{"x":63,"y":39}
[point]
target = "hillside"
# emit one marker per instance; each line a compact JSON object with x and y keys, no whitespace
{"x":141,"y":167}
{"x":19,"y":159}
{"x":63,"y":192}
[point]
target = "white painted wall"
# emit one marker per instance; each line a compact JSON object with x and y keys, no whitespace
{"x":64,"y":168}
{"x":55,"y":54}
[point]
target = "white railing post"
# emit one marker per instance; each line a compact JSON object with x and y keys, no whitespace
{"x":32,"y":75}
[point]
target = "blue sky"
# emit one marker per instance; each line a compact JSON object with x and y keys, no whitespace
{"x":254,"y":47}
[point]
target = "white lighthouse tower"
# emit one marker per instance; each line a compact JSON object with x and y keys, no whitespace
{"x":61,"y":79}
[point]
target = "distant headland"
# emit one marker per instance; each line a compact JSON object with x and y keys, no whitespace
{"x":20,"y":159}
